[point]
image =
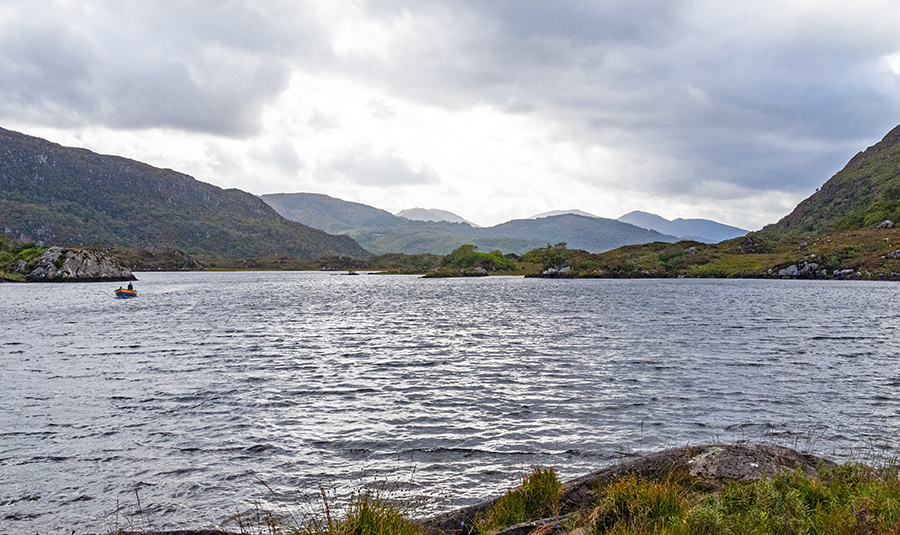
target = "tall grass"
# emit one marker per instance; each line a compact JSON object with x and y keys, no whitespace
{"x":850,"y":499}
{"x":536,"y":498}
{"x":632,"y":505}
{"x":368,"y":513}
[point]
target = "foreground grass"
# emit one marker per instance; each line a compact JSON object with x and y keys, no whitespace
{"x":537,"y":497}
{"x":367,"y":514}
{"x":845,"y":499}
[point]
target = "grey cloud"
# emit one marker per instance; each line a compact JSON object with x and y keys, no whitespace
{"x":286,"y":158}
{"x":365,"y":165}
{"x":199,"y":66}
{"x":513,"y":105}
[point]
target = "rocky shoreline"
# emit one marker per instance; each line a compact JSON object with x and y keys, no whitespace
{"x":705,"y":467}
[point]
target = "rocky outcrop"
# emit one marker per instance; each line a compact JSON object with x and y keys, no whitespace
{"x":476,"y":271}
{"x":707,"y":467}
{"x":808,"y":268}
{"x":78,"y":265}
{"x":557,"y":273}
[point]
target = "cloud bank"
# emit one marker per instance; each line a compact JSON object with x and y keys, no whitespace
{"x":494,"y":110}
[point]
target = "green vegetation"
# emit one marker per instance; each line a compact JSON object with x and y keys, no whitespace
{"x":846,"y":499}
{"x":466,"y":261}
{"x":11,"y":254}
{"x":403,"y":263}
{"x":537,"y":497}
{"x":367,"y":514}
{"x":863,"y":194}
{"x":630,"y":505}
{"x":863,"y":252}
{"x":466,"y":257}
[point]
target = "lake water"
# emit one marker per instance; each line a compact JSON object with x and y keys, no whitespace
{"x":191,"y":396}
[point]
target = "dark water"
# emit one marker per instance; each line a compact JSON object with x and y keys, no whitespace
{"x":208,"y":383}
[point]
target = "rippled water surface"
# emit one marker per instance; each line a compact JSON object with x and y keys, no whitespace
{"x":189,"y":396}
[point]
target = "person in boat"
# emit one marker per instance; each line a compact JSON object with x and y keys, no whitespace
{"x":130,"y":286}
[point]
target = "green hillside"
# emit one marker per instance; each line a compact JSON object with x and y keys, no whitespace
{"x":863,"y":194}
{"x":55,"y":195}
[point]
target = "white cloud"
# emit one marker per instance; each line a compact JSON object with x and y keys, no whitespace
{"x":893,"y":62}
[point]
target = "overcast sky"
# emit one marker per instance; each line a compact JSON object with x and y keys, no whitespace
{"x":492,"y":109}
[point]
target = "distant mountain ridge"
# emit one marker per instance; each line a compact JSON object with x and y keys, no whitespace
{"x":329,"y":214}
{"x":702,"y":230}
{"x":562,"y":212}
{"x":381,"y":233}
{"x":433,"y":214}
{"x":56,"y":195}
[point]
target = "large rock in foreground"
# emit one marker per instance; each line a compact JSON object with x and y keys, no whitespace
{"x":78,"y":265}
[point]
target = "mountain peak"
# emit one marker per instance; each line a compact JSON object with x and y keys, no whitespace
{"x":433,"y":214}
{"x":562,"y":212}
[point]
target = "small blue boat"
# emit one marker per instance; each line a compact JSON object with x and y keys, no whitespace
{"x":122,"y":293}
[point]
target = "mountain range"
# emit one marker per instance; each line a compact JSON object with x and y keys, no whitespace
{"x":380,"y":232}
{"x":55,"y":195}
{"x":702,"y":230}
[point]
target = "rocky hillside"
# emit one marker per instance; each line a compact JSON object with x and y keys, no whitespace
{"x":863,"y":194}
{"x":55,"y":195}
{"x":76,"y":265}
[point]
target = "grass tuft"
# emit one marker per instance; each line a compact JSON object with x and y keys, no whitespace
{"x":368,"y":513}
{"x":633,"y":505}
{"x":537,"y":497}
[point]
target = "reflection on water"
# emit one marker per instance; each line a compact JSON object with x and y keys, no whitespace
{"x":211,"y":382}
